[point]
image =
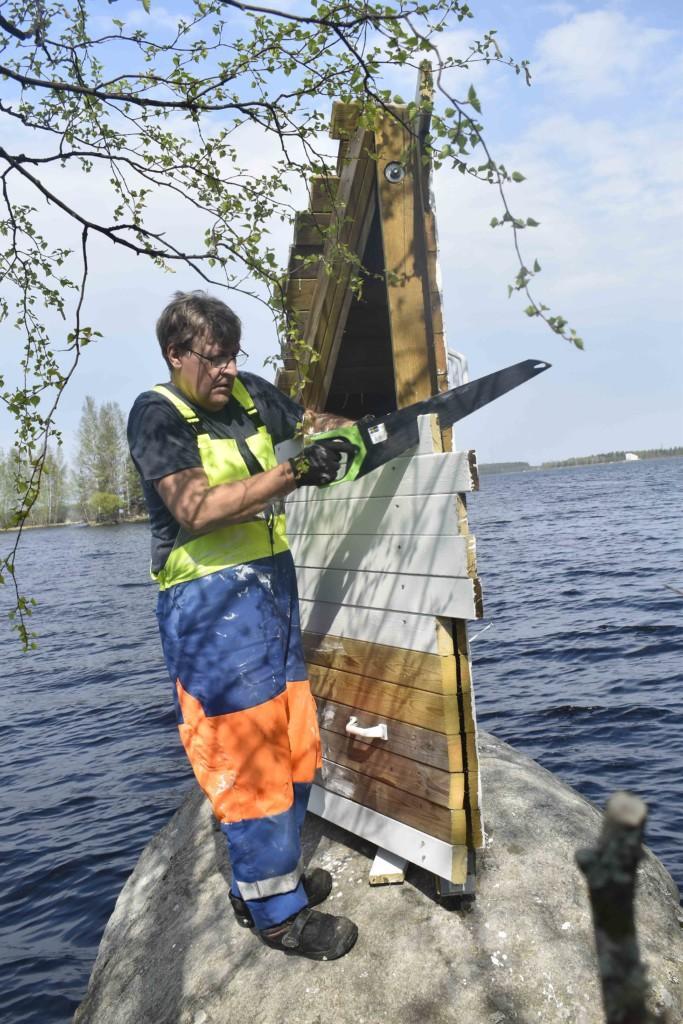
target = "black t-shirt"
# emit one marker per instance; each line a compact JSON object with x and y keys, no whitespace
{"x":161,"y":442}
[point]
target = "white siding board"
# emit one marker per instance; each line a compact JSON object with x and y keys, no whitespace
{"x":386,"y":553}
{"x":423,"y":595}
{"x":437,"y":473}
{"x":412,"y":515}
{"x":427,"y":852}
{"x":394,"y":629}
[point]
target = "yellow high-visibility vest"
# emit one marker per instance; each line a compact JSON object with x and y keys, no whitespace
{"x":194,"y":557}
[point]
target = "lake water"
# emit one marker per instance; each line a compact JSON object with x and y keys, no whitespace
{"x":580,"y":667}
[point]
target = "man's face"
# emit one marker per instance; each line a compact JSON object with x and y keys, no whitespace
{"x":206,"y":373}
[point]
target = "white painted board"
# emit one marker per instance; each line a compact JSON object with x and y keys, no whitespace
{"x":411,"y":515}
{"x":386,"y":553}
{"x":418,"y":848}
{"x":423,"y":595}
{"x":395,"y":629}
{"x":436,"y":473}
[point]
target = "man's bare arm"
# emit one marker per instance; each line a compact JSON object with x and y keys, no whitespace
{"x":319,"y":422}
{"x":200,"y":508}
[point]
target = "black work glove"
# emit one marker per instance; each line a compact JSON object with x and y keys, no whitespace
{"x":319,"y":463}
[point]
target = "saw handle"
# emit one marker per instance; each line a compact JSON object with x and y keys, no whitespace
{"x":350,"y":445}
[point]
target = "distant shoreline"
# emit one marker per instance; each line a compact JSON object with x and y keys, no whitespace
{"x":579,"y":463}
{"x":75,"y":522}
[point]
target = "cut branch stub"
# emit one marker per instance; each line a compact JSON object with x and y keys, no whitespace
{"x":610,"y":871}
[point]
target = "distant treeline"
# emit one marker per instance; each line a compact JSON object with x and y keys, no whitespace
{"x":579,"y":460}
{"x":589,"y":460}
{"x":504,"y":467}
{"x":101,"y":487}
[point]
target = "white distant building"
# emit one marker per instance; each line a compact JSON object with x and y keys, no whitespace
{"x":631,"y":457}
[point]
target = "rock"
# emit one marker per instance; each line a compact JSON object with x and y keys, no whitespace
{"x":522,"y":952}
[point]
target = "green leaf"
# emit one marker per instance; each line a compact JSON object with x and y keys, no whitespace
{"x":473,"y":99}
{"x":516,"y":176}
{"x":146,"y":4}
{"x":531,"y":223}
{"x":537,"y":267}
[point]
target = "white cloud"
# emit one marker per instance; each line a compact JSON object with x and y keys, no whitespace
{"x":609,"y":241}
{"x":598,"y":54}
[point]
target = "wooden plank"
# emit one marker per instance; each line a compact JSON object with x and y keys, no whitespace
{"x":409,"y":515}
{"x":476,"y":829}
{"x":377,"y":661}
{"x":401,"y":592}
{"x":431,"y":854}
{"x":304,"y":261}
{"x":403,"y":242}
{"x":311,"y":228}
{"x":344,"y":120}
{"x":447,"y":789}
{"x":445,"y":824}
{"x":453,"y":557}
{"x":323,"y":192}
{"x":387,"y":700}
{"x":387,"y":869}
{"x":426,"y":475}
{"x":448,"y":753}
{"x":300,"y":292}
{"x":354,"y":210}
{"x":397,"y":629}
{"x":436,"y":674}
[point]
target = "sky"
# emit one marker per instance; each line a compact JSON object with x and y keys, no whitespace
{"x":598,"y":137}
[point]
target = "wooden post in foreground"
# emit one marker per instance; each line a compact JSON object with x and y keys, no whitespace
{"x":610,"y":870}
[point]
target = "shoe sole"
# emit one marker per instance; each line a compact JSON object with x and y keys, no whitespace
{"x":341,"y":949}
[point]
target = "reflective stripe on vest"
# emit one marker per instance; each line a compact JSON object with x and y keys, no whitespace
{"x":222,"y":462}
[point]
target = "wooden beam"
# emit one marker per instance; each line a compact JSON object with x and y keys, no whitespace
{"x":402,"y":238}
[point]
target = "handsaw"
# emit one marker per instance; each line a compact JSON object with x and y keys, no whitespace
{"x":371,"y":442}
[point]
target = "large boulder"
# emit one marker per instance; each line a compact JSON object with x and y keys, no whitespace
{"x":522,"y":952}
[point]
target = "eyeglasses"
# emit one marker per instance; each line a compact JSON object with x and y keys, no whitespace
{"x":218,"y":362}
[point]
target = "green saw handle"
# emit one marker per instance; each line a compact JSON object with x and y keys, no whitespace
{"x":351,"y":435}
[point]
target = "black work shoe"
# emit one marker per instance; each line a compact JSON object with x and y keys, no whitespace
{"x":312,"y":934}
{"x":317,"y":885}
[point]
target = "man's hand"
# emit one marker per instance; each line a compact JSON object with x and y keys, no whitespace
{"x":319,"y":462}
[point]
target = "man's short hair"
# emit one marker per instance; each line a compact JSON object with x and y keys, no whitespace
{"x":193,"y":316}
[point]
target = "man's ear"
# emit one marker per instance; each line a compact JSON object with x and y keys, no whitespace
{"x":173,"y":354}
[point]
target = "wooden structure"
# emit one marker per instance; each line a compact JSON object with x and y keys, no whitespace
{"x":386,"y":566}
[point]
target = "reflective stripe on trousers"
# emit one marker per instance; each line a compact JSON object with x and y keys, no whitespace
{"x":247,"y":719}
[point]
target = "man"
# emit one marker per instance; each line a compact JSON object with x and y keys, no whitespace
{"x":228,"y":610}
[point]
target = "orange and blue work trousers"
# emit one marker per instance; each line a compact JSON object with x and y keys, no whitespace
{"x":247,"y":719}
